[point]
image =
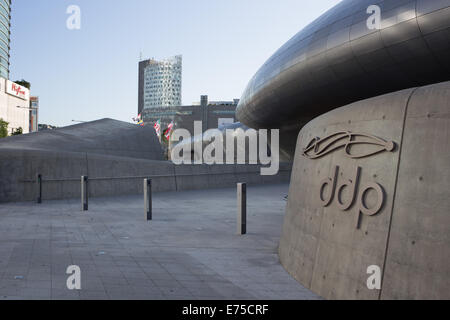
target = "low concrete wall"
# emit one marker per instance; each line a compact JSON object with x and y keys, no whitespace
{"x":109,"y":175}
{"x":330,"y":238}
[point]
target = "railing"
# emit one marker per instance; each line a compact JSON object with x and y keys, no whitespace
{"x":40,"y":180}
{"x":146,"y":176}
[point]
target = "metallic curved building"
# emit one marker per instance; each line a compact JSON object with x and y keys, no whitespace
{"x":5,"y":24}
{"x":349,"y":212}
{"x":339,"y":59}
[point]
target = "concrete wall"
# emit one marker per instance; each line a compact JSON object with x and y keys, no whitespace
{"x":18,"y":170}
{"x":418,"y":256}
{"x":327,"y":249}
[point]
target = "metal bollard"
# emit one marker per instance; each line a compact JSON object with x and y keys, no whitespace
{"x":242,"y":208}
{"x":148,"y":198}
{"x":85,"y":193}
{"x":39,"y":188}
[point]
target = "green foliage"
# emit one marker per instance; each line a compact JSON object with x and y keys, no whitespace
{"x":24,"y":83}
{"x":17,"y":132}
{"x":3,"y":128}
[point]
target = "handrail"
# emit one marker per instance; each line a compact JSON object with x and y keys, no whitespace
{"x":143,"y":177}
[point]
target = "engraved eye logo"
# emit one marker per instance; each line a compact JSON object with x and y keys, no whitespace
{"x":320,"y":147}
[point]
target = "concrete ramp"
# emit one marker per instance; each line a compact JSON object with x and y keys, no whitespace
{"x":105,"y":137}
{"x":116,"y":156}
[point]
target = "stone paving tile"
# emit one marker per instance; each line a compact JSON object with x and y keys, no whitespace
{"x":204,"y":291}
{"x":38,"y":284}
{"x":35,"y":293}
{"x":193,"y":284}
{"x":139,"y":282}
{"x":92,"y":284}
{"x":175,"y":292}
{"x":160,"y":276}
{"x":167,"y":283}
{"x":64,"y":294}
{"x":188,"y":251}
{"x":93,"y":295}
{"x":117,"y":281}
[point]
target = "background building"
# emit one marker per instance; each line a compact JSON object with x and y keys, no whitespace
{"x":212,"y":115}
{"x":160,"y":83}
{"x":5,"y":23}
{"x":216,"y":103}
{"x":34,"y":112}
{"x":15,"y":105}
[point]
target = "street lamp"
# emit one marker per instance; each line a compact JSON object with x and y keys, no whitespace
{"x":29,"y":108}
{"x":79,"y":121}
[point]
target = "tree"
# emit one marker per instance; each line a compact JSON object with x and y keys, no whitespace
{"x":17,"y":132}
{"x":3,"y":128}
{"x":24,"y":83}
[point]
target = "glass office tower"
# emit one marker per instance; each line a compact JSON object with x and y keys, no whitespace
{"x":5,"y":18}
{"x":160,"y":83}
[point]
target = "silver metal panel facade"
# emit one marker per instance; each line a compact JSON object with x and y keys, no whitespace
{"x":337,"y":60}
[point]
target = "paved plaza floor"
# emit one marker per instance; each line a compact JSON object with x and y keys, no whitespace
{"x":189,"y":251}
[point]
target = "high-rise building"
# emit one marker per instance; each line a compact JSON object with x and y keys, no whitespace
{"x":34,"y":113}
{"x":14,"y":98}
{"x":160,"y":83}
{"x":5,"y":24}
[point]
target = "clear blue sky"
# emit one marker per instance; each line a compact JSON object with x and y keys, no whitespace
{"x":91,"y":73}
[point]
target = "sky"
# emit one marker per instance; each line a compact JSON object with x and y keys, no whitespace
{"x":92,"y":73}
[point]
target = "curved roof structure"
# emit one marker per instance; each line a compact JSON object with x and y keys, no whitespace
{"x":338,"y":59}
{"x":106,"y":137}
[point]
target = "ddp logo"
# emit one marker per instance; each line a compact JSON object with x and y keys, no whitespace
{"x":359,"y":195}
{"x":332,"y":188}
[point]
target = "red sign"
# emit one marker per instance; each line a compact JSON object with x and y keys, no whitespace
{"x":16,"y":90}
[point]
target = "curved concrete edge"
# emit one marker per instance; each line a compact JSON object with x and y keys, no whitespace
{"x":103,"y":137}
{"x":19,"y":168}
{"x":323,"y":246}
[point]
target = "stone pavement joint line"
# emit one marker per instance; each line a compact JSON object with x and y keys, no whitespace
{"x":189,"y":251}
